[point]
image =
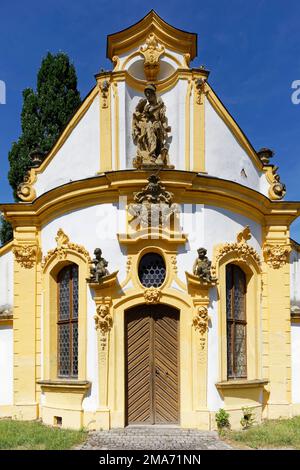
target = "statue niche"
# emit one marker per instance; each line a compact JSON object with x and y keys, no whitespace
{"x":150,"y":131}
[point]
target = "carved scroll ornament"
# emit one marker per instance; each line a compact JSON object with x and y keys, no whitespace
{"x":240,"y":248}
{"x":151,"y":53}
{"x":63,"y":247}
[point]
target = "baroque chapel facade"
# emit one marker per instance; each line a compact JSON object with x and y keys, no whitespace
{"x":151,"y":278}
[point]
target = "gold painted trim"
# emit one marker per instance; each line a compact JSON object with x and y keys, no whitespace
{"x":188,"y":187}
{"x":6,"y":321}
{"x":130,"y":38}
{"x":243,"y":255}
{"x":162,"y":86}
{"x":188,"y":125}
{"x":58,"y":258}
{"x":117,"y":125}
{"x":199,"y":124}
{"x":64,"y":385}
{"x":105,"y":122}
{"x":237,"y":384}
{"x":6,"y":248}
{"x":137,"y":53}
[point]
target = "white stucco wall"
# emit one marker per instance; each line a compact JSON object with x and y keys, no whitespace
{"x":204,"y":225}
{"x":207,"y":226}
{"x":295,"y":278}
{"x":92,"y":227}
{"x":6,"y":365}
{"x":79,"y":156}
{"x":224,"y":157}
{"x":6,"y":279}
{"x":295,"y":338}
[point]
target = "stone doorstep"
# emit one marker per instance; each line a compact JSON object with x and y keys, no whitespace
{"x":153,"y":438}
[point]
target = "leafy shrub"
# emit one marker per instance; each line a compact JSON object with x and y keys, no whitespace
{"x":222,"y":420}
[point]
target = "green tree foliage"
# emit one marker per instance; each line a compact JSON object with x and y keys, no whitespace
{"x":6,"y":231}
{"x":45,"y":113}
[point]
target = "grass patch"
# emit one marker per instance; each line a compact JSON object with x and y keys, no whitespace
{"x":33,"y":435}
{"x":271,"y":433}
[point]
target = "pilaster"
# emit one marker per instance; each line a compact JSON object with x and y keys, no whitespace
{"x":26,"y":321}
{"x":199,"y":290}
{"x":276,"y":321}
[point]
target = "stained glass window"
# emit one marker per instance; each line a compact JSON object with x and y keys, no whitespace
{"x":67,"y":325}
{"x":236,"y":322}
{"x":152,"y":270}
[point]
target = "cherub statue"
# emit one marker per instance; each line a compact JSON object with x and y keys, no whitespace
{"x":99,"y":270}
{"x":202,"y":266}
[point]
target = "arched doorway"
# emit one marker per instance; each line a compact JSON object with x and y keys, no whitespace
{"x":152,"y":364}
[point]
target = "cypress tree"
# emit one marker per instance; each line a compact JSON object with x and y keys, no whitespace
{"x":45,"y":113}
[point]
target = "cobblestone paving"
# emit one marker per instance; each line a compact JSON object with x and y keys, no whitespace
{"x":153,"y":438}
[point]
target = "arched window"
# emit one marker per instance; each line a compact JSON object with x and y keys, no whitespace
{"x":67,"y":322}
{"x":236,"y":322}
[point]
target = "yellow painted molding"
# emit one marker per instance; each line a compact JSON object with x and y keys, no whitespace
{"x":6,"y":321}
{"x":132,"y":37}
{"x":64,"y":254}
{"x":105,"y":85}
{"x":138,"y":54}
{"x":233,"y":126}
{"x":116,"y":125}
{"x":6,"y":248}
{"x":162,"y":86}
{"x":188,"y":187}
{"x":238,"y":384}
{"x":199,"y":93}
{"x":243,"y":255}
{"x":188,"y":125}
{"x":65,"y":385}
{"x":105,"y":282}
{"x":152,"y":232}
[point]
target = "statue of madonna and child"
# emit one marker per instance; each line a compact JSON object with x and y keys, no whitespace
{"x":150,"y":131}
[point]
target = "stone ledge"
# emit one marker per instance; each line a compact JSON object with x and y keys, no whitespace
{"x":60,"y":384}
{"x":242,"y":383}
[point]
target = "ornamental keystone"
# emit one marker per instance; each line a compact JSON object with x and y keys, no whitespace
{"x":152,"y":295}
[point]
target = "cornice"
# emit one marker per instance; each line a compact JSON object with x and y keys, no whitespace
{"x":173,"y":38}
{"x":6,"y":248}
{"x":188,"y":187}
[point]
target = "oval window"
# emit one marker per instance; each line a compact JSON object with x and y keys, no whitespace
{"x":152,"y":270}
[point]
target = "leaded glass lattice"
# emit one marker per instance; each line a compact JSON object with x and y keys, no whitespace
{"x":236,"y":322}
{"x":64,"y":350}
{"x":152,"y":270}
{"x":64,"y":294}
{"x":75,"y":350}
{"x":75,"y":291}
{"x":67,"y":325}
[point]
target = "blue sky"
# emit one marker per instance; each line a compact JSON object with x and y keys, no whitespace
{"x":251,"y":48}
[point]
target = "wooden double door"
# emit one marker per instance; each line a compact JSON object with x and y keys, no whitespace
{"x":152,"y":365}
